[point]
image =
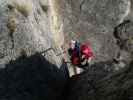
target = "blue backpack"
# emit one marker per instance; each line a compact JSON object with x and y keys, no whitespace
{"x":77,"y":46}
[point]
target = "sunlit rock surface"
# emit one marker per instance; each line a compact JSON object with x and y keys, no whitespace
{"x":27,"y":26}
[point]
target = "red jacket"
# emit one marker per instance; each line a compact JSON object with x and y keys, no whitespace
{"x":75,"y":58}
{"x":84,"y":50}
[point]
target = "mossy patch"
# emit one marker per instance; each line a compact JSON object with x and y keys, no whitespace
{"x":11,"y":24}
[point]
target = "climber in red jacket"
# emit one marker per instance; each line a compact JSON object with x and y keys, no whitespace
{"x":81,"y":54}
{"x":86,"y":54}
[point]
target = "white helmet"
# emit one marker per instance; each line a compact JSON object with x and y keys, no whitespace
{"x":72,"y":44}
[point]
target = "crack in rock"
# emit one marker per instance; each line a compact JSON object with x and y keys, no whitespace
{"x":81,"y":4}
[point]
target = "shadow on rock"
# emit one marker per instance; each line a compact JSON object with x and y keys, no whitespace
{"x":32,"y":78}
{"x":97,"y":84}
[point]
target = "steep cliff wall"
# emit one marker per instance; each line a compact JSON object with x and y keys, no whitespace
{"x":29,"y":26}
{"x":31,"y":37}
{"x":44,"y":26}
{"x":35,"y":26}
{"x":107,"y":25}
{"x":94,"y":21}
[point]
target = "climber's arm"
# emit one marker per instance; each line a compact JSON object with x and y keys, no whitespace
{"x":89,"y":60}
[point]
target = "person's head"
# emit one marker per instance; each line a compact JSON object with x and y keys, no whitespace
{"x":72,"y":44}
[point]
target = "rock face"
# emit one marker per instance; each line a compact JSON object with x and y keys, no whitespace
{"x":94,"y":21}
{"x":107,"y":25}
{"x":123,"y":34}
{"x":27,"y":26}
{"x":45,"y":26}
{"x":97,"y":84}
{"x":36,"y":26}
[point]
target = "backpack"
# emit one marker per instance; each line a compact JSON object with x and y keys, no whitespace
{"x":75,"y":57}
{"x":86,"y":50}
{"x":77,"y":46}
